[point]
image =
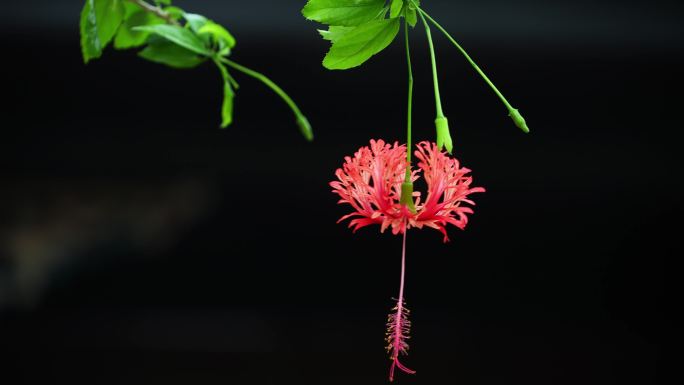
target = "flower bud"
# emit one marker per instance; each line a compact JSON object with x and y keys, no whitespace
{"x":443,"y":134}
{"x":406,"y":198}
{"x":518,"y":120}
{"x":305,"y":127}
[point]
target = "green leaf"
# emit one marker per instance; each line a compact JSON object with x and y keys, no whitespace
{"x":100,"y":19}
{"x":165,"y":52}
{"x":195,"y":21}
{"x":334,"y":33}
{"x":358,"y":45}
{"x":135,"y":17}
{"x":130,"y":9}
{"x":164,"y":2}
{"x":410,"y":12}
{"x":91,"y":47}
{"x":109,"y":15}
{"x":395,"y":9}
{"x":179,"y":35}
{"x":343,"y":12}
{"x":219,"y":33}
{"x":227,"y":105}
{"x":175,"y":12}
{"x":411,"y":17}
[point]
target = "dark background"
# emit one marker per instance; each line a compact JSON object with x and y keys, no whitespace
{"x":143,"y":245}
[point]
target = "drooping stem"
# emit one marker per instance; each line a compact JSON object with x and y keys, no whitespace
{"x":424,"y":15}
{"x":435,"y":81}
{"x":303,"y":123}
{"x":157,"y":11}
{"x":409,"y":113}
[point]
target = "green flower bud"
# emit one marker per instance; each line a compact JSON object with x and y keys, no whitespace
{"x":305,"y":127}
{"x":406,"y":198}
{"x":443,"y":134}
{"x":518,"y":120}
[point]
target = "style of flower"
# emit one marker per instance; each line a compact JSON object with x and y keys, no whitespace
{"x":371,"y":182}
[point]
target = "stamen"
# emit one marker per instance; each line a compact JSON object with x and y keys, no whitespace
{"x":398,"y":324}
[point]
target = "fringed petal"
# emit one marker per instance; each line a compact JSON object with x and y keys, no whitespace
{"x":370,"y":182}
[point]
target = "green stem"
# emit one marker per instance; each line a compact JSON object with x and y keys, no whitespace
{"x":424,"y":15}
{"x":227,"y":77}
{"x":410,"y":104}
{"x":435,"y":81}
{"x":301,"y":119}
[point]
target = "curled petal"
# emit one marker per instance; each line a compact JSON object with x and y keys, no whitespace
{"x":370,"y":182}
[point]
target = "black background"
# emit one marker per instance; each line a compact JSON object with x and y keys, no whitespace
{"x":563,"y":276}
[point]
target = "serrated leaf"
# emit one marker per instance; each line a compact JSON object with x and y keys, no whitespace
{"x":334,"y":33}
{"x":100,"y":19}
{"x":358,"y":45}
{"x":127,"y":37}
{"x":179,"y":35}
{"x":165,"y":52}
{"x":219,"y":33}
{"x":343,"y":12}
{"x":395,"y":8}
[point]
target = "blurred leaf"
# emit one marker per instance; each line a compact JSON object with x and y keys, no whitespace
{"x":164,"y":2}
{"x":175,"y":12}
{"x":165,"y":52}
{"x":109,"y":15}
{"x":195,"y":21}
{"x":179,"y":35}
{"x":91,"y":47}
{"x":343,"y":12}
{"x":135,"y":17}
{"x":219,"y":33}
{"x":100,"y":19}
{"x":358,"y":45}
{"x":130,"y":9}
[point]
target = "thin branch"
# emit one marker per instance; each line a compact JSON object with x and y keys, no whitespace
{"x":157,"y":11}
